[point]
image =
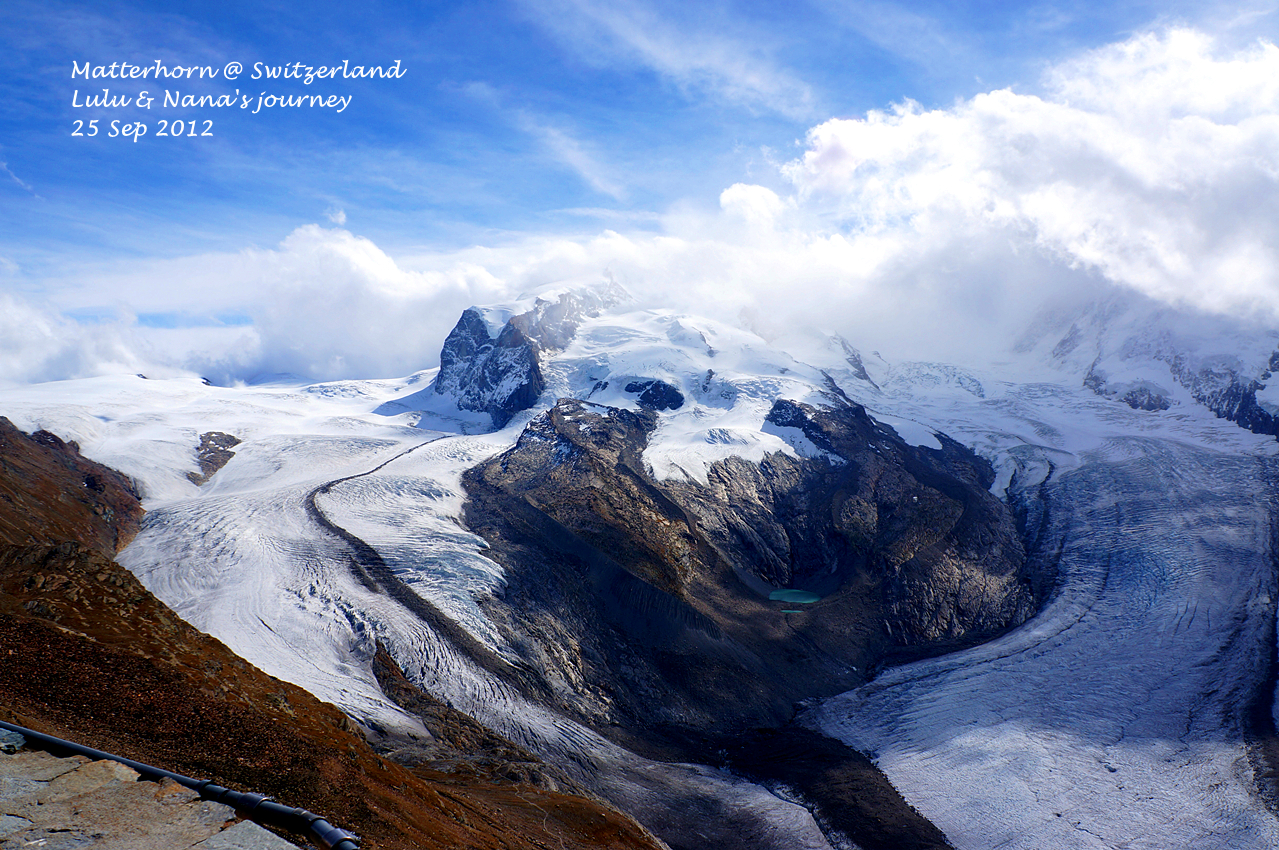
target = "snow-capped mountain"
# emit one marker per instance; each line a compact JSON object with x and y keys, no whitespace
{"x":624,"y":537}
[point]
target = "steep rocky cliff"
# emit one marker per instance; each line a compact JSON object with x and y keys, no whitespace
{"x":501,"y":374}
{"x":50,"y":494}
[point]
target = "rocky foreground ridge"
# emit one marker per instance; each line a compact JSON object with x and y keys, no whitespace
{"x":90,"y":655}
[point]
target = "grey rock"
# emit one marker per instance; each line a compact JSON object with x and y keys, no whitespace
{"x":72,"y":803}
{"x":35,"y":764}
{"x":213,"y":814}
{"x":656,"y":395}
{"x":245,"y":835}
{"x":50,"y":839}
{"x":213,"y":453}
{"x":499,"y":376}
{"x":86,"y":779}
{"x":19,"y":788}
{"x":502,"y":375}
{"x":11,"y":742}
{"x":10,"y":824}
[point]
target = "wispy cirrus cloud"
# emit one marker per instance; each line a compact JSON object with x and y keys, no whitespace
{"x":4,"y":166}
{"x":693,"y":54}
{"x":559,"y":142}
{"x":574,"y":154}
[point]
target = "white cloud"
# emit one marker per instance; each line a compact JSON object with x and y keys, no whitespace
{"x":1150,"y":166}
{"x":324,"y":304}
{"x":1152,"y":162}
{"x":756,"y":206}
{"x":4,"y":166}
{"x":42,"y":345}
{"x":696,"y":57}
{"x":330,"y":304}
{"x":337,"y":215}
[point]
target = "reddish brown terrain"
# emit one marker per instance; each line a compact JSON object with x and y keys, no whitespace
{"x":90,"y":655}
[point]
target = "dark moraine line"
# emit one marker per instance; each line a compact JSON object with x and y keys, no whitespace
{"x":372,"y":571}
{"x":1260,"y":733}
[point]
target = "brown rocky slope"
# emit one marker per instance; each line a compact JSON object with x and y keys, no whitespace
{"x":89,"y":655}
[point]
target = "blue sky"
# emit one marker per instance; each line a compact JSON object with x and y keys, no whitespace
{"x":511,"y":116}
{"x":515,"y":119}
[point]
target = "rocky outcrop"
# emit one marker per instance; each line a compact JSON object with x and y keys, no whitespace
{"x":502,"y":375}
{"x":1141,"y":395}
{"x":1224,"y":384}
{"x":656,"y":395}
{"x":673,"y":615}
{"x":918,"y":525}
{"x":1228,"y":393}
{"x":499,"y":376}
{"x":212,"y":454}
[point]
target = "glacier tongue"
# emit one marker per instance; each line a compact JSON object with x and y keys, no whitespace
{"x":1114,"y":718}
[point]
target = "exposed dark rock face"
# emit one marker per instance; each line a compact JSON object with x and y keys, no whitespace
{"x":499,"y":377}
{"x":502,"y":376}
{"x":905,"y":546}
{"x":921,"y":525}
{"x":1225,"y":386}
{"x":213,"y":453}
{"x":847,"y":791}
{"x":1143,"y":396}
{"x":656,"y":395}
{"x":1226,"y":392}
{"x":854,"y":359}
{"x":645,"y":605}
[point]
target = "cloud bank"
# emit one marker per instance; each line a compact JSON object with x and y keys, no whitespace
{"x":1148,"y":166}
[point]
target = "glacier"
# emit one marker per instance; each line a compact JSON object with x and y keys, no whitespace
{"x":1114,"y":718}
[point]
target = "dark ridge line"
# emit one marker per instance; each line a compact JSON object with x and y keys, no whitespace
{"x":1261,"y":737}
{"x":372,"y":572}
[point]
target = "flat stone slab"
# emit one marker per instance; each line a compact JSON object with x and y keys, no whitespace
{"x":245,"y":835}
{"x":9,"y":824}
{"x":33,"y":764}
{"x":67,"y":804}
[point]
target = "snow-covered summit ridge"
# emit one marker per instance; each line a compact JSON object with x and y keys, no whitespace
{"x":713,"y":384}
{"x":491,"y":362}
{"x":1152,"y":357}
